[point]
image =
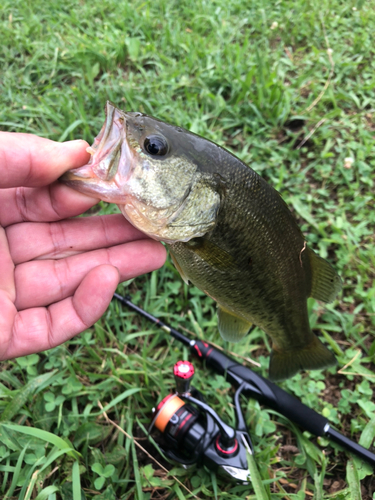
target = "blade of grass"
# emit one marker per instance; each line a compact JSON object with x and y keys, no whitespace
{"x":47,"y":492}
{"x":30,"y":487}
{"x":178,"y":492}
{"x":45,"y":436}
{"x":16,"y":473}
{"x":5,"y":476}
{"x":334,"y":345}
{"x":76,"y":478}
{"x":353,"y":481}
{"x":7,"y":468}
{"x":54,"y":455}
{"x":368,"y":434}
{"x":256,"y":480}
{"x":69,"y":129}
{"x":120,"y":398}
{"x":137,"y":475}
{"x":10,"y":379}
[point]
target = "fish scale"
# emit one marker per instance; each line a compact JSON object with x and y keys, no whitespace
{"x":229,"y":232}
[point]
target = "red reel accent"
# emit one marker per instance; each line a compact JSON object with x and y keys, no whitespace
{"x":163,"y":401}
{"x":226,"y":452}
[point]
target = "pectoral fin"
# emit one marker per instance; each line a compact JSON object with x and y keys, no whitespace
{"x":231,"y":327}
{"x":286,"y":363}
{"x":211,"y":253}
{"x":325,"y":282}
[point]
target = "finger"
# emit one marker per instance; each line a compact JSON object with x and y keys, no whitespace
{"x":7,"y":286}
{"x":39,"y":329}
{"x":7,"y":315}
{"x":29,"y":160}
{"x":56,"y":240}
{"x":39,"y":283}
{"x":51,"y":203}
{"x":7,"y":292}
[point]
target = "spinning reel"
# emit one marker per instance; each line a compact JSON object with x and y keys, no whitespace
{"x":194,"y":432}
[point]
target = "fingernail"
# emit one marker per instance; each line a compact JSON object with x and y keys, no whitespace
{"x":75,"y":141}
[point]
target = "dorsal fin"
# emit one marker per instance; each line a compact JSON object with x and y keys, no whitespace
{"x":325,"y":282}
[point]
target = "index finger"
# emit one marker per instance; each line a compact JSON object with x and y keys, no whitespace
{"x":29,"y":160}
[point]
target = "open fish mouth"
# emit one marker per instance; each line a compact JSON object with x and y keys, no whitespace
{"x":108,"y":168}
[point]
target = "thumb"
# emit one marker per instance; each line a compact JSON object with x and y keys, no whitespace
{"x":29,"y":160}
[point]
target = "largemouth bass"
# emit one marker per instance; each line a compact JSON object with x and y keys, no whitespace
{"x":228,"y":231}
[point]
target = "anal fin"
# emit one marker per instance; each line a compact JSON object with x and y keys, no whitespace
{"x":325,"y":282}
{"x":231,"y":327}
{"x":286,"y":363}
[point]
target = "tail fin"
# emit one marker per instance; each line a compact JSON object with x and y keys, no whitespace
{"x":314,"y":356}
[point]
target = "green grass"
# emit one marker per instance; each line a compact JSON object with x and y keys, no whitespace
{"x":225,"y":70}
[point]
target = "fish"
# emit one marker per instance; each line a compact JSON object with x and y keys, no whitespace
{"x":228,"y":231}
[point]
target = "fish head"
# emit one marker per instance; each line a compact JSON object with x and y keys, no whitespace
{"x":147,"y":168}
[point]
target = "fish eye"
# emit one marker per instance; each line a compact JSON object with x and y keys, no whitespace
{"x":156,"y":145}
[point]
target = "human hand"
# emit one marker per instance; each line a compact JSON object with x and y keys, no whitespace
{"x":57,"y":275}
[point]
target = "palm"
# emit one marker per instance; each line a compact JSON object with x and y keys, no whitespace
{"x":58,"y":274}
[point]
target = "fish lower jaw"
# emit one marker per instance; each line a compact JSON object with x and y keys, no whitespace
{"x":157,"y":229}
{"x":153,"y":229}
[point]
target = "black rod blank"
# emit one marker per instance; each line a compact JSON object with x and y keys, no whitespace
{"x":176,"y":334}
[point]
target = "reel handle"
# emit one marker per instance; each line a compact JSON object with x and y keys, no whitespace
{"x":183,"y":372}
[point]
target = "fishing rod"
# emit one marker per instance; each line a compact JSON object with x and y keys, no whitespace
{"x":253,"y":385}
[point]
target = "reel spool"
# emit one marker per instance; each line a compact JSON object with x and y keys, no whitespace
{"x":194,"y":433}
